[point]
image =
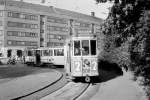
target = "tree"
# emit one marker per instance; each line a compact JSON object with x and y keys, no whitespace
{"x":128,"y":22}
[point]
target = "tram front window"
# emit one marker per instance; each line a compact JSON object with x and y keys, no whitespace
{"x":85,"y":47}
{"x":77,"y":51}
{"x":93,"y":47}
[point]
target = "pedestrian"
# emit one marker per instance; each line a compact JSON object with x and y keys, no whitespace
{"x":125,"y":67}
{"x":38,"y":59}
{"x":24,"y":59}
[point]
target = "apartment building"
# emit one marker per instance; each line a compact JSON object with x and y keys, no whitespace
{"x":26,"y":26}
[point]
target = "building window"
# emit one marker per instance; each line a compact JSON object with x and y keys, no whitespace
{"x":22,"y":25}
{"x":9,"y":14}
{"x":52,"y":36}
{"x":81,"y":24}
{"x":57,"y":20}
{"x":21,"y":43}
{"x":1,"y":23}
{"x":12,"y":33}
{"x":22,"y":34}
{"x":56,"y":28}
{"x":1,"y":13}
{"x":9,"y":33}
{"x":2,"y":2}
{"x":11,"y":24}
{"x":22,"y":16}
{"x":1,"y":32}
{"x":9,"y":42}
{"x":15,"y":15}
{"x":1,"y":42}
{"x":33,"y":43}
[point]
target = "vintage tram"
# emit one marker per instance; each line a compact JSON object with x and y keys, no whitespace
{"x":29,"y":57}
{"x":52,"y":56}
{"x":48,"y":56}
{"x":81,"y":57}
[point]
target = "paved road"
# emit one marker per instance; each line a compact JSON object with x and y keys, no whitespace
{"x":120,"y":88}
{"x":116,"y":88}
{"x":19,"y":80}
{"x":10,"y":72}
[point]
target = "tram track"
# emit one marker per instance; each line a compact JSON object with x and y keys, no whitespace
{"x":55,"y":91}
{"x":36,"y":95}
{"x":71,"y":91}
{"x":75,"y":98}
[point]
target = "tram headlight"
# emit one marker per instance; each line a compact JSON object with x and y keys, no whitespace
{"x":77,"y":65}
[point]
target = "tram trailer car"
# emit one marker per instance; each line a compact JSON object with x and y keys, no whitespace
{"x":52,"y":56}
{"x":48,"y":56}
{"x":81,"y":57}
{"x":30,"y":57}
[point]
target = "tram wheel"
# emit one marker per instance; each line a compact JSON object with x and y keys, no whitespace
{"x":87,"y":79}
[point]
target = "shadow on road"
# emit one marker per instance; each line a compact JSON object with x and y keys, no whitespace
{"x":107,"y":71}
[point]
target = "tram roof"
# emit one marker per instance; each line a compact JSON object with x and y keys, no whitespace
{"x":49,"y":48}
{"x":83,"y":37}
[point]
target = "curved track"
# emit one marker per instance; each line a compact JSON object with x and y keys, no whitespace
{"x":36,"y":95}
{"x":58,"y":90}
{"x":70,"y":91}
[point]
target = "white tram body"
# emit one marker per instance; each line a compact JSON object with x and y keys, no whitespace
{"x":81,"y":57}
{"x":52,"y":55}
{"x":58,"y":56}
{"x":30,"y":57}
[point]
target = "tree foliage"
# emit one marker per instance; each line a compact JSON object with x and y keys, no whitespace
{"x":129,"y":22}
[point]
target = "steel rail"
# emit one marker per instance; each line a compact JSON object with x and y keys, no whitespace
{"x":75,"y":98}
{"x":71,"y":91}
{"x":20,"y":97}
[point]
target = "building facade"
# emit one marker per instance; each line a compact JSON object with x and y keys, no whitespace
{"x":26,"y":26}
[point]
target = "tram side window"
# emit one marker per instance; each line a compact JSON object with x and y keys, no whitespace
{"x":51,"y":52}
{"x":93,"y":47}
{"x":77,"y":51}
{"x":38,"y":52}
{"x":1,"y":54}
{"x":58,"y":52}
{"x":9,"y":53}
{"x":46,"y":53}
{"x":19,"y":53}
{"x":85,"y":47}
{"x":30,"y":53}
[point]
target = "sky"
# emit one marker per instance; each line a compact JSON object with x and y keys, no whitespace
{"x":81,"y":6}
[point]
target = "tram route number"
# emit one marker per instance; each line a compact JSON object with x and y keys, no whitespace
{"x":77,"y":66}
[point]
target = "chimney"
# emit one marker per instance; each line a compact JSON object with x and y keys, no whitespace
{"x":93,"y":14}
{"x":42,"y":1}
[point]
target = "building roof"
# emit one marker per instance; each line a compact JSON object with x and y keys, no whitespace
{"x":51,"y":10}
{"x":78,"y":15}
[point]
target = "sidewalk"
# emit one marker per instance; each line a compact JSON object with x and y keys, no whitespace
{"x":120,"y":88}
{"x":27,"y":84}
